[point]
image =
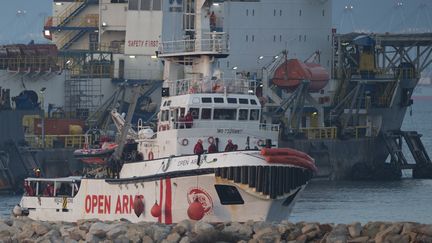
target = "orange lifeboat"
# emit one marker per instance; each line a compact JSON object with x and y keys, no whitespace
{"x":290,"y":74}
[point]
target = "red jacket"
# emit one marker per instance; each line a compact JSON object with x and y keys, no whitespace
{"x":198,"y":149}
{"x":212,"y":148}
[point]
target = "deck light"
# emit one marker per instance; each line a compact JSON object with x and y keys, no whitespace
{"x":132,"y":57}
{"x":215,"y":4}
{"x":58,"y":4}
{"x":260,"y":57}
{"x":234,"y":68}
{"x":276,"y":57}
{"x":104,"y":24}
{"x":47,"y":33}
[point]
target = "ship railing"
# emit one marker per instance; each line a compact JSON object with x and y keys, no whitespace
{"x":233,"y":126}
{"x":58,"y":141}
{"x":214,"y":42}
{"x":138,"y":74}
{"x":32,"y":63}
{"x":52,"y":187}
{"x":319,"y":132}
{"x":114,"y":47}
{"x":92,"y":70}
{"x":386,"y":75}
{"x":193,"y":86}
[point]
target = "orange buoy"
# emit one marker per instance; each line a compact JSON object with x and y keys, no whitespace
{"x":138,"y":206}
{"x":156,"y":210}
{"x":195,"y":210}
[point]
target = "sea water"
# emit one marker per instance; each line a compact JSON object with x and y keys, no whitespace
{"x":346,"y":201}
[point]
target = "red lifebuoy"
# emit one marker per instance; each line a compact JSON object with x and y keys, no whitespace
{"x":210,"y":140}
{"x":150,"y":155}
{"x":185,"y":142}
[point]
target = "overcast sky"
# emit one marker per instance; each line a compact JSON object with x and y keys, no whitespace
{"x":22,"y":20}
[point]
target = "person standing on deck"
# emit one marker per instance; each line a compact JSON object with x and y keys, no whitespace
{"x":199,"y":149}
{"x":189,"y":120}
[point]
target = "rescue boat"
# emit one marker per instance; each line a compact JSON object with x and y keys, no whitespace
{"x":245,"y":177}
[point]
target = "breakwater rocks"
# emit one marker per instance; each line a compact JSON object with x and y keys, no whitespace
{"x":26,"y":230}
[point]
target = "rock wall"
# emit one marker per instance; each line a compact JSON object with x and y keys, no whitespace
{"x":23,"y":229}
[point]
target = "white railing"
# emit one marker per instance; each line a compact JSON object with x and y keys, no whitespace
{"x":193,"y":86}
{"x":234,"y":125}
{"x":216,"y":42}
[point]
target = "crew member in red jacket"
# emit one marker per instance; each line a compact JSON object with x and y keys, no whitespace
{"x":230,"y":146}
{"x":199,"y":149}
{"x":212,"y":148}
{"x":188,"y":120}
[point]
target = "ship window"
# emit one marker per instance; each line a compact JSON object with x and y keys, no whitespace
{"x":274,"y":12}
{"x":194,"y":112}
{"x":164,"y":115}
{"x":205,"y":114}
{"x":254,"y":115}
{"x":323,"y":12}
{"x":247,"y":12}
{"x":253,"y":102}
{"x":118,"y":1}
{"x":168,"y":102}
{"x":206,"y":100}
{"x":133,"y":4}
{"x":280,"y":12}
{"x":247,"y":38}
{"x":243,"y":114}
{"x":274,"y":38}
{"x":253,"y":12}
{"x":228,"y":195}
{"x":300,"y":12}
{"x":232,"y":101}
{"x":145,"y":5}
{"x":280,"y":38}
{"x":243,"y":101}
{"x":157,"y":5}
{"x":253,"y":38}
{"x":224,"y":114}
{"x":218,"y":100}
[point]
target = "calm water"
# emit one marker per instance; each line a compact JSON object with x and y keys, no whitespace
{"x":345,"y":202}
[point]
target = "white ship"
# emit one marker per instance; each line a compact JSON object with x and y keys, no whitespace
{"x":251,"y":179}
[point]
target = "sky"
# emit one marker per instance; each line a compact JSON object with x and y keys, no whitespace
{"x":22,"y":20}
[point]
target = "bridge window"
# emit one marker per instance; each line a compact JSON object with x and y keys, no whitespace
{"x":157,"y":5}
{"x":206,"y":100}
{"x":218,"y":100}
{"x":243,"y":114}
{"x":194,"y":112}
{"x":243,"y":101}
{"x":254,"y":115}
{"x":205,"y":114}
{"x":232,"y":100}
{"x":133,"y":4}
{"x":224,"y":114}
{"x":253,"y":102}
{"x":145,"y":5}
{"x":164,"y":115}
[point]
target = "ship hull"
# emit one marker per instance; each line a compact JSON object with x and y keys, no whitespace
{"x":227,"y":191}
